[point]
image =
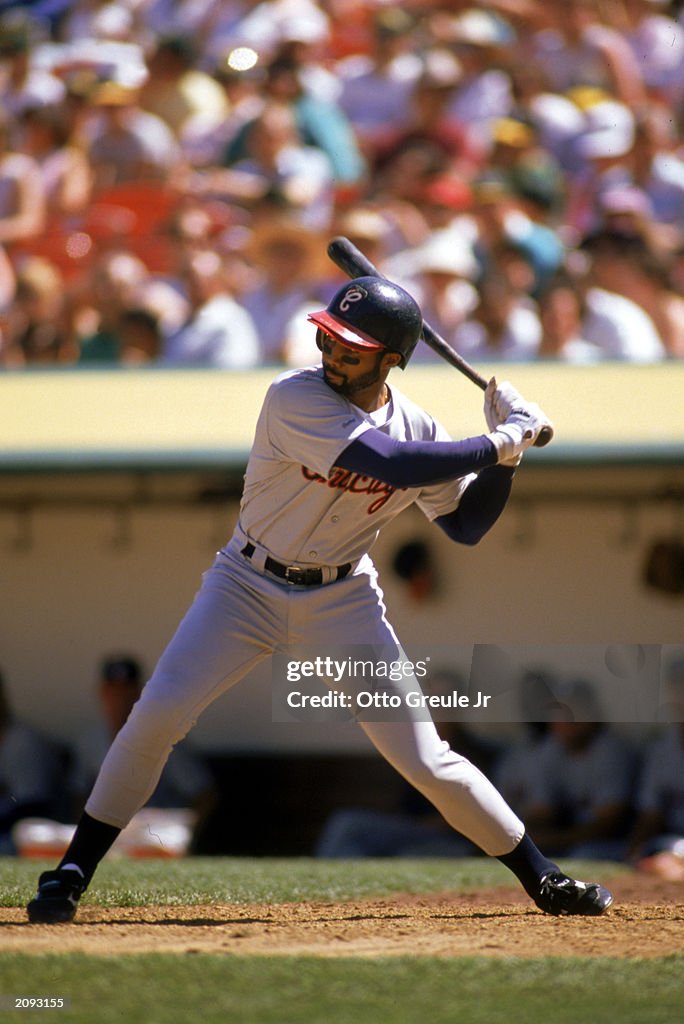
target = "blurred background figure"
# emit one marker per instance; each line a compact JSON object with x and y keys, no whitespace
{"x":178,"y":92}
{"x":561,"y":314}
{"x":22,"y":192}
{"x":186,"y":781}
{"x":580,"y":801}
{"x":292,"y":269}
{"x":517,"y":767}
{"x":24,"y":83}
{"x":376,"y":86}
{"x":657,"y":840}
{"x":30,"y":771}
{"x":37,"y":330}
{"x":218,"y":332}
{"x":126,"y":143}
{"x":320,"y":123}
{"x":43,"y":134}
{"x":114,"y":285}
{"x":615,"y":320}
{"x":504,"y":324}
{"x":140,"y":337}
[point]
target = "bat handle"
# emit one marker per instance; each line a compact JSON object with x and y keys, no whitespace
{"x":544,"y":436}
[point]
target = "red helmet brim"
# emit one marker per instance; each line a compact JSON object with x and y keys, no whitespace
{"x":343,"y":333}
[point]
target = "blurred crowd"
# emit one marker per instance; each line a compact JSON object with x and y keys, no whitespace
{"x":171,"y":172}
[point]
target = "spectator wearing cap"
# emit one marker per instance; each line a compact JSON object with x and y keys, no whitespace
{"x":532,"y":172}
{"x":440,"y":273}
{"x":604,"y":151}
{"x":127,"y":144}
{"x":292,"y":266}
{"x":29,"y":770}
{"x":627,"y":210}
{"x":579,"y":804}
{"x":368,"y":228}
{"x":185,"y":782}
{"x":482,"y":42}
{"x":508,"y":222}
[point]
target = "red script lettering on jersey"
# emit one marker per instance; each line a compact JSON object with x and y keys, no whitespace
{"x":355,"y":483}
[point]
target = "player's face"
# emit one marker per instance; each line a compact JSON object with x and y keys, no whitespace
{"x":349,"y":371}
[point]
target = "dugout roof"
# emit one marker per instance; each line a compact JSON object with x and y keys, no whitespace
{"x":177,"y":420}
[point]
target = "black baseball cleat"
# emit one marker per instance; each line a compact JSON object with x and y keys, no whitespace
{"x":562,"y":896}
{"x":57,"y":897}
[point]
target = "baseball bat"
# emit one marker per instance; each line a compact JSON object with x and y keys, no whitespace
{"x":354,"y":263}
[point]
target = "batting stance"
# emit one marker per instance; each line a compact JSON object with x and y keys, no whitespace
{"x":297,"y":571}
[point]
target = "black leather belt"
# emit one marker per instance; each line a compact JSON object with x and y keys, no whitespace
{"x":293,"y":574}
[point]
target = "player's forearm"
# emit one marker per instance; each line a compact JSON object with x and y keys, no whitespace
{"x":482,"y":503}
{"x":416,"y":463}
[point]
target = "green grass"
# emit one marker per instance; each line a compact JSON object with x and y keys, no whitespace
{"x":181,"y":989}
{"x":201,"y":880}
{"x":167,"y":989}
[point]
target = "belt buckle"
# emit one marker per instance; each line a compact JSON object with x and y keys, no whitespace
{"x":294,"y":571}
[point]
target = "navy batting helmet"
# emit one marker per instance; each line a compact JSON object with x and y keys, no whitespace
{"x":372,"y":313}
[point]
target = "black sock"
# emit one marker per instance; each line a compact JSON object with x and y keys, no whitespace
{"x":91,"y":840}
{"x":528,"y":864}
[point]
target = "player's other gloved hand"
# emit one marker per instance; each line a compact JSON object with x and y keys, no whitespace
{"x":514,"y":422}
{"x":499,"y":402}
{"x":518,"y":431}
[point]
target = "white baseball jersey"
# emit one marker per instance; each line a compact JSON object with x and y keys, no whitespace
{"x":303,"y":509}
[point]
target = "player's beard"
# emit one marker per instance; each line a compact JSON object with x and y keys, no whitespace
{"x":348,"y":388}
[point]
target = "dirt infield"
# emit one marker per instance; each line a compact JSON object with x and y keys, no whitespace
{"x":646,"y":921}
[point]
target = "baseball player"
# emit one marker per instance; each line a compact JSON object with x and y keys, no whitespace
{"x":337,"y":454}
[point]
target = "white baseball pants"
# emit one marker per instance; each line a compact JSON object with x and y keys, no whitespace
{"x":238,"y":618}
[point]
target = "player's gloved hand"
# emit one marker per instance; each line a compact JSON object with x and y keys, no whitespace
{"x":518,"y":431}
{"x":505,"y":398}
{"x":490,"y":413}
{"x":499,"y":402}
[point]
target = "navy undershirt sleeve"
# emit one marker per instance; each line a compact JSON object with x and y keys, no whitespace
{"x":481,"y":504}
{"x":422,"y":463}
{"x":416,"y":463}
